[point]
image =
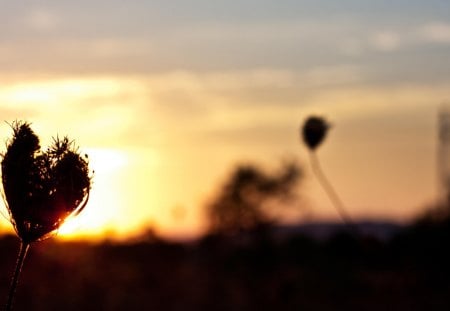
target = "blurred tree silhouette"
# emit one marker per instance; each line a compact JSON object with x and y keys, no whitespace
{"x":247,"y":198}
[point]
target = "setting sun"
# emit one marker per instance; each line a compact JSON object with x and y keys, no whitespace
{"x":105,"y":198}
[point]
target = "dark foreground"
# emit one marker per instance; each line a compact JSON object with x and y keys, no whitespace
{"x":256,"y":272}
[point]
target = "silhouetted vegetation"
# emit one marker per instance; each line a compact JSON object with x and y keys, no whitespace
{"x":408,"y":272}
{"x":41,"y":189}
{"x":247,"y":198}
{"x":405,"y":271}
{"x":313,"y":132}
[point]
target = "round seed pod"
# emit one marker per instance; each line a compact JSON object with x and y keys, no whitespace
{"x":42,"y":189}
{"x":314,"y":131}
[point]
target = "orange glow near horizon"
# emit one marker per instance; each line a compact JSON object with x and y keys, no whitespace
{"x":154,"y":160}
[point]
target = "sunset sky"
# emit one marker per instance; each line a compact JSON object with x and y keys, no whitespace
{"x":166,"y":97}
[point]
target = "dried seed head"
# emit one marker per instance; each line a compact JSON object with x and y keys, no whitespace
{"x":42,"y":189}
{"x":314,"y":131}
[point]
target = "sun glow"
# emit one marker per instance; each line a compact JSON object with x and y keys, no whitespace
{"x":105,"y":197}
{"x":52,"y":92}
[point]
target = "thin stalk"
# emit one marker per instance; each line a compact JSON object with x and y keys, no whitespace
{"x":15,"y":280}
{"x":331,"y":193}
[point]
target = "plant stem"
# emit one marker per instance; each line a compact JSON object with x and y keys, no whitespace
{"x":15,"y":280}
{"x":332,"y":194}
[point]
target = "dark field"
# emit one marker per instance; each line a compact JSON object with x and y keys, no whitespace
{"x":252,"y":272}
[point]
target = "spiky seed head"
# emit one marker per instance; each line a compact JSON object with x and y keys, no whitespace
{"x":314,"y":131}
{"x":42,"y":189}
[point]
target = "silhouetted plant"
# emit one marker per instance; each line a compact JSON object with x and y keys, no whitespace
{"x":41,"y":189}
{"x":313,"y":132}
{"x":241,"y":204}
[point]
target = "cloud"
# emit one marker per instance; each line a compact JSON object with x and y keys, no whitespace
{"x":386,"y":41}
{"x":42,"y":19}
{"x":436,"y":32}
{"x":94,"y":108}
{"x":367,"y":100}
{"x":162,"y":108}
{"x":169,"y":108}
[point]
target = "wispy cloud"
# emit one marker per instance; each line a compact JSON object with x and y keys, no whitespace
{"x":386,"y":41}
{"x":63,"y":38}
{"x":41,"y":19}
{"x":436,"y":32}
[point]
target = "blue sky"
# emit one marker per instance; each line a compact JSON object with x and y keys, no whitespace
{"x":148,"y":36}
